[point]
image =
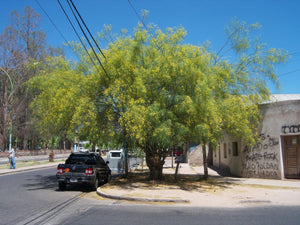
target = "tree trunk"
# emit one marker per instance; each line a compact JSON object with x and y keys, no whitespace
{"x":125,"y":152}
{"x":205,"y":161}
{"x":25,"y":140}
{"x":176,"y":171}
{"x":187,"y":152}
{"x":155,"y":165}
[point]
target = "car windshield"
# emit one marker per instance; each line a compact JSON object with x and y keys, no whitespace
{"x":81,"y":159}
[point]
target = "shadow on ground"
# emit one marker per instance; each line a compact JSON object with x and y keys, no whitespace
{"x":40,"y":182}
{"x":50,"y":183}
{"x":184,"y":182}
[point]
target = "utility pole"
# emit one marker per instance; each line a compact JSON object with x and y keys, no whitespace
{"x":12,"y":87}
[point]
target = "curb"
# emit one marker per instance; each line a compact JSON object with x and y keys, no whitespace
{"x":140,"y":199}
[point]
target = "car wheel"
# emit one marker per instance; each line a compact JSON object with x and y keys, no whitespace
{"x":95,"y":184}
{"x":62,"y":185}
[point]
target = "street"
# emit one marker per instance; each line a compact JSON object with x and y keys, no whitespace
{"x":33,"y":198}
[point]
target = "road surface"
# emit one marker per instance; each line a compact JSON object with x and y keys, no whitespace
{"x":33,"y":198}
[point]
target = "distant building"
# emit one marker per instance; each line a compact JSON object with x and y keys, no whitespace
{"x":277,"y":154}
{"x":196,"y":156}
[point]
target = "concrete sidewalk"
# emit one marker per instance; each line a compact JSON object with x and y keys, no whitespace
{"x":291,"y":183}
{"x":218,"y":191}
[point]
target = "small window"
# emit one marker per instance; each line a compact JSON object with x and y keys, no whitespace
{"x":115,"y":154}
{"x":235,"y":150}
{"x":225,"y":151}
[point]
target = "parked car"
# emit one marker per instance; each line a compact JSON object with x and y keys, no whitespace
{"x":178,"y":152}
{"x":116,"y":160}
{"x":83,"y":168}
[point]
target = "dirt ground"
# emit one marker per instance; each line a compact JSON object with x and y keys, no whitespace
{"x":214,"y":192}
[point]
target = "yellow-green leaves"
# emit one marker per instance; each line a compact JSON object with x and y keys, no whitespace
{"x":159,"y":91}
{"x":58,"y":94}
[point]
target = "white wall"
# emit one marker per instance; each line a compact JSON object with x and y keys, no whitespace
{"x":265,"y":159}
{"x":228,"y":161}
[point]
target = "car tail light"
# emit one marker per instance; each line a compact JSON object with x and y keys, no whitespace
{"x":88,"y":171}
{"x":60,"y":170}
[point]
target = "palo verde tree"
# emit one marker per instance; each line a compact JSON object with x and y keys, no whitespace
{"x":157,"y":92}
{"x":169,"y":90}
{"x":140,"y":89}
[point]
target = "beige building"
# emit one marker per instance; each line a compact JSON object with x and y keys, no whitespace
{"x":277,"y":154}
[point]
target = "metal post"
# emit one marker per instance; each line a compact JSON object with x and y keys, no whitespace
{"x":12,"y":87}
{"x":10,"y":136}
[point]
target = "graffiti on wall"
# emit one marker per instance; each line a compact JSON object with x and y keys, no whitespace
{"x":262,"y":160}
{"x":291,"y":129}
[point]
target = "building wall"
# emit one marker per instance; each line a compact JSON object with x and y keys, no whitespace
{"x":225,"y":158}
{"x":196,"y":157}
{"x":265,"y":159}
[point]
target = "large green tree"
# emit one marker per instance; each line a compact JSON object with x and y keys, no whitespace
{"x":157,"y":92}
{"x":174,"y":92}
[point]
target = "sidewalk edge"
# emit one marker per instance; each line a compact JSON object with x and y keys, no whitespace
{"x":140,"y":199}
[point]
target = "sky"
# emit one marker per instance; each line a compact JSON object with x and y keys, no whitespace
{"x":204,"y":20}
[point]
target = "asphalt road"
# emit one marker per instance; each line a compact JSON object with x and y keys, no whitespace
{"x":33,"y":198}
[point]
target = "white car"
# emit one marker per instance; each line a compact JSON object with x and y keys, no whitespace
{"x":82,"y":149}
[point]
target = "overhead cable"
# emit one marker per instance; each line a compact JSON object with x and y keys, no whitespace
{"x":60,"y":33}
{"x":91,"y":46}
{"x":284,"y":74}
{"x":87,"y":28}
{"x":138,"y":16}
{"x":77,"y":34}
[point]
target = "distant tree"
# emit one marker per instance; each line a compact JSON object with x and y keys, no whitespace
{"x":23,"y":50}
{"x":59,"y":95}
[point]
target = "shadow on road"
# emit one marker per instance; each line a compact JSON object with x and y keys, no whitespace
{"x":50,"y":183}
{"x":40,"y":182}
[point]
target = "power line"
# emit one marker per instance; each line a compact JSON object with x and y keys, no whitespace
{"x":294,"y":53}
{"x":70,"y":22}
{"x":60,"y":33}
{"x":138,"y":16}
{"x":136,"y":13}
{"x":284,"y":74}
{"x":87,"y":28}
{"x":86,"y":37}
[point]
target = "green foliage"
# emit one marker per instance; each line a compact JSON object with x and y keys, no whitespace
{"x":58,"y":97}
{"x":53,"y":142}
{"x":159,"y":92}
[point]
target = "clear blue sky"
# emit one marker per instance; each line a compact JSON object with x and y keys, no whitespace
{"x":204,"y":20}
